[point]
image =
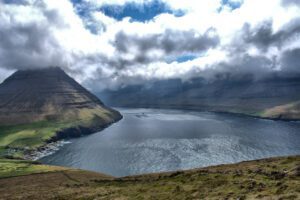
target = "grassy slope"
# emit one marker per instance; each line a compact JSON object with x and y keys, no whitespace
{"x":12,"y":168}
{"x":34,"y":135}
{"x":276,"y":178}
{"x":288,"y":111}
{"x":15,"y":168}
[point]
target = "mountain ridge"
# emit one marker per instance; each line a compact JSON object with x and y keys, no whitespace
{"x":243,"y":95}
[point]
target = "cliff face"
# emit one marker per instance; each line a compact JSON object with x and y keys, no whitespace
{"x":236,"y":94}
{"x":49,"y":94}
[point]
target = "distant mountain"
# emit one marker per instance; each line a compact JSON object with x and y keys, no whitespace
{"x":240,"y":94}
{"x":43,"y":105}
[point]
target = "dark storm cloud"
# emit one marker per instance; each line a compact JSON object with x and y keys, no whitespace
{"x":247,"y":64}
{"x":291,"y":61}
{"x":171,"y":43}
{"x":239,"y":66}
{"x":290,"y":2}
{"x":30,"y":44}
{"x":264,"y":37}
{"x":26,"y":46}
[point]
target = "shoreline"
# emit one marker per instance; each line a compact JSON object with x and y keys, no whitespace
{"x":207,"y":110}
{"x":45,"y":150}
{"x":60,"y":138}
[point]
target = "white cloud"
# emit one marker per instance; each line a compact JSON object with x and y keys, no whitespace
{"x":4,"y":73}
{"x":46,"y":32}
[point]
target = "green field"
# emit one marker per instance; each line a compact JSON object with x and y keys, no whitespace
{"x":29,"y":135}
{"x":14,"y":140}
{"x":12,"y":168}
{"x":17,"y":139}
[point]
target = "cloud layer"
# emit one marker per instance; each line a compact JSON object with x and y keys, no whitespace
{"x":234,"y":36}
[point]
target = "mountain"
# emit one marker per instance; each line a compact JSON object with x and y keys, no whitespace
{"x":240,"y":94}
{"x":48,"y":94}
{"x":47,"y":104}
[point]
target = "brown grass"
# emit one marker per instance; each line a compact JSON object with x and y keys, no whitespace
{"x":276,"y":178}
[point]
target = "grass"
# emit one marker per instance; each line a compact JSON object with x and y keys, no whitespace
{"x":275,"y":178}
{"x":16,"y":139}
{"x":29,"y":135}
{"x":12,"y":168}
{"x":288,"y":111}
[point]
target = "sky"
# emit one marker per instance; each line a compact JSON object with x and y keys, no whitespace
{"x":108,"y":44}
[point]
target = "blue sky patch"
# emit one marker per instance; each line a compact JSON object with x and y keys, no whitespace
{"x":84,"y":9}
{"x":81,"y":8}
{"x":181,"y":59}
{"x":139,"y":12}
{"x":232,"y":5}
{"x":185,"y":58}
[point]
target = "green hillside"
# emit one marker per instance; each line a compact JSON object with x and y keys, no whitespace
{"x":289,"y":111}
{"x":17,"y":140}
{"x":275,"y":178}
{"x":44,"y":105}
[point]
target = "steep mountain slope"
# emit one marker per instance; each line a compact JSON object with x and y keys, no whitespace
{"x":242,"y":94}
{"x":47,"y":94}
{"x":46,"y":104}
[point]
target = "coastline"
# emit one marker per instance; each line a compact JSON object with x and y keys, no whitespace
{"x":197,"y":109}
{"x":57,"y":141}
{"x":61,"y":137}
{"x":46,"y":150}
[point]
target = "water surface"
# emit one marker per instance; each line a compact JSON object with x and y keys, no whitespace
{"x":153,"y":140}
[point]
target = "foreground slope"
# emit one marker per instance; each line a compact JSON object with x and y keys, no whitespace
{"x":46,"y":105}
{"x":274,"y":178}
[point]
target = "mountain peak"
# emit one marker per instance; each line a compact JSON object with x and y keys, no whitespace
{"x":36,"y":73}
{"x":47,"y":94}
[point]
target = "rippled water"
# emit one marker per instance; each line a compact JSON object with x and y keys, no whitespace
{"x":152,"y":140}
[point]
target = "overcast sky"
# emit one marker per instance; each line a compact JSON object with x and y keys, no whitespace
{"x":112,"y":43}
